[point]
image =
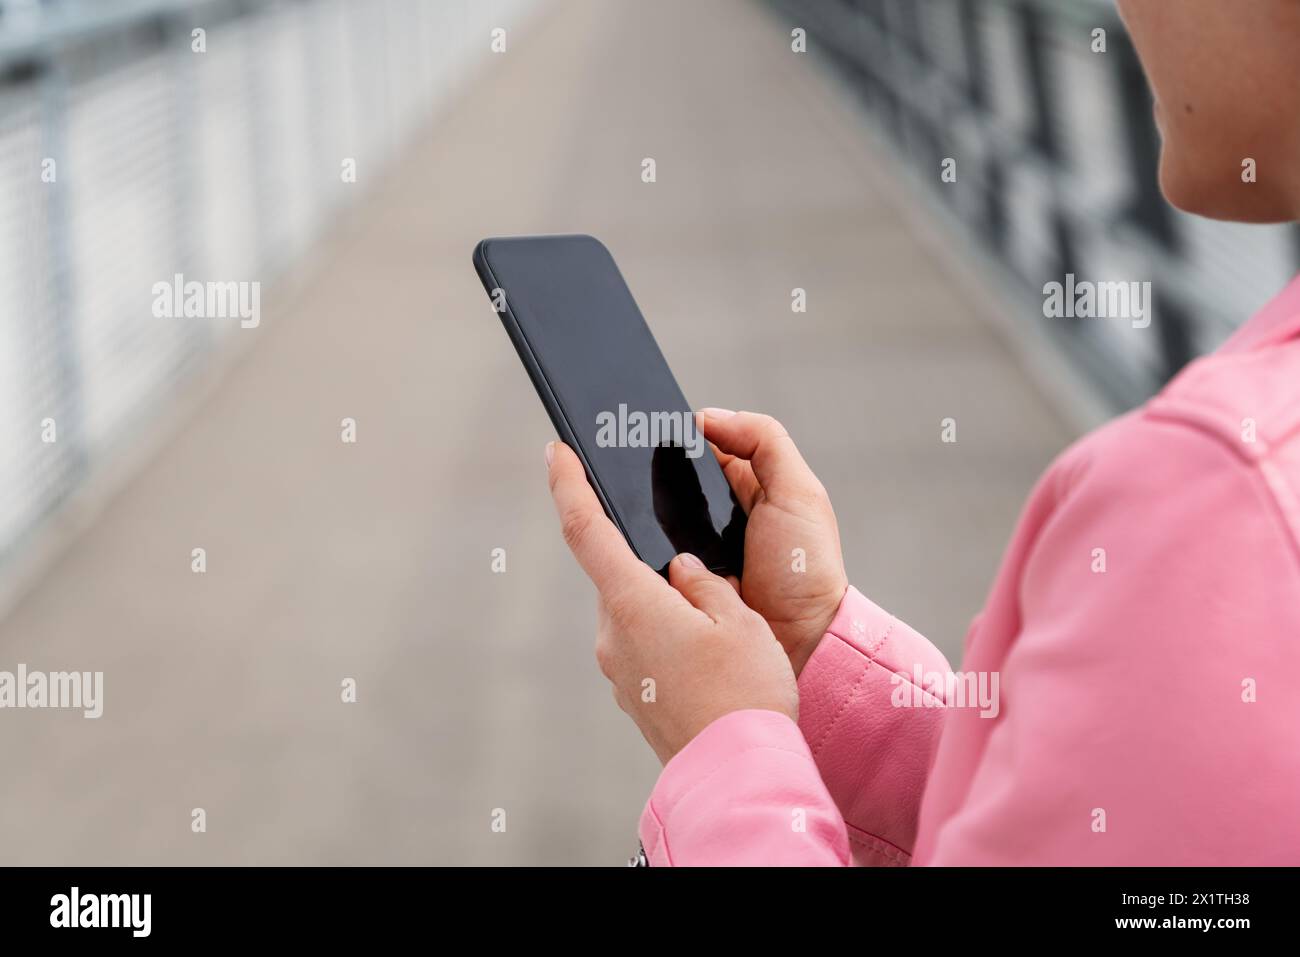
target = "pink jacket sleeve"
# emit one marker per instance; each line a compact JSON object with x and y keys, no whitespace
{"x":744,"y":791}
{"x":844,"y":784}
{"x":1143,"y":630}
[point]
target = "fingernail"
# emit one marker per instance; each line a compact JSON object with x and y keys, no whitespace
{"x":717,"y":413}
{"x":550,"y":453}
{"x":689,"y":561}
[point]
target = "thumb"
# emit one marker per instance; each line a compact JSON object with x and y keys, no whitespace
{"x":710,"y":593}
{"x":764,"y":443}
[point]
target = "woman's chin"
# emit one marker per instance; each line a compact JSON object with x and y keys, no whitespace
{"x":1226,"y":197}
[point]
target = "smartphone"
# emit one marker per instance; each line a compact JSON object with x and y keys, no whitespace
{"x":612,"y":397}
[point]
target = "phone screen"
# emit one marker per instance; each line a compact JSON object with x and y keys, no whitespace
{"x":604,"y":381}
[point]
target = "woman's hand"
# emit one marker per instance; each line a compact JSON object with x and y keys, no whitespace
{"x":679,"y":655}
{"x":794,"y":572}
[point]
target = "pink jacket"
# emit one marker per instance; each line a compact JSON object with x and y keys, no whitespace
{"x":1144,"y":636}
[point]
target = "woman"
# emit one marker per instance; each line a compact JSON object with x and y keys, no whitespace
{"x":1143,"y":632}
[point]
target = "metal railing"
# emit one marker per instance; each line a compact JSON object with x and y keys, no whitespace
{"x":1057,"y":154}
{"x":128,"y":156}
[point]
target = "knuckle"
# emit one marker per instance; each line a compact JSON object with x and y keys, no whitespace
{"x":605,"y":658}
{"x":622,"y":612}
{"x":722,"y":596}
{"x":814,"y":492}
{"x":743,"y":620}
{"x":770,"y":427}
{"x":819,"y":488}
{"x":575,"y":526}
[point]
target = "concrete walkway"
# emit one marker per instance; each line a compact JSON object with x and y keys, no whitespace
{"x":477,"y":691}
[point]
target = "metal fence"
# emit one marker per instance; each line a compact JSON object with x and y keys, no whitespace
{"x":128,"y":156}
{"x":1057,"y":152}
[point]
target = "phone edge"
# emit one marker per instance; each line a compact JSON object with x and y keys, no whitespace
{"x":542,"y":385}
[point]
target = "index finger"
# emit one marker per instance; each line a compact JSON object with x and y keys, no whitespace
{"x":595,"y":541}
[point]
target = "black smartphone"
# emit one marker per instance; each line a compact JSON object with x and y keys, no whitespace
{"x":612,"y":397}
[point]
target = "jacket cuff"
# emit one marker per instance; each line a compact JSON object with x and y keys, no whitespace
{"x":711,"y":803}
{"x":862,"y":634}
{"x":872,"y":724}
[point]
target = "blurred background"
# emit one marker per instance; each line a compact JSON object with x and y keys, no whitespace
{"x":797,"y":145}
